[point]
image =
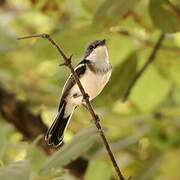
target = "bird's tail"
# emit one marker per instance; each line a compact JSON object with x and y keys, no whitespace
{"x":55,"y":134}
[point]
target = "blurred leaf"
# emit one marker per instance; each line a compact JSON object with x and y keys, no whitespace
{"x":165,"y":16}
{"x":3,"y":142}
{"x":112,"y":11}
{"x":61,"y":174}
{"x":17,"y":171}
{"x":158,"y":137}
{"x":149,"y":168}
{"x":35,"y":156}
{"x":177,"y":39}
{"x":168,"y":64}
{"x":170,"y":165}
{"x":92,"y":5}
{"x":150,"y":90}
{"x":119,"y":48}
{"x":176,"y":96}
{"x":98,"y":170}
{"x":70,"y":151}
{"x":174,"y":72}
{"x":7,"y":41}
{"x":121,"y":77}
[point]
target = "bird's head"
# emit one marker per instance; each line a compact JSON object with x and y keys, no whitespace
{"x":97,"y":51}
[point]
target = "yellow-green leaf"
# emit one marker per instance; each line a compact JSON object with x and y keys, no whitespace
{"x":16,"y":171}
{"x":111,"y":12}
{"x":165,"y":16}
{"x":76,"y":147}
{"x":150,"y":90}
{"x":98,"y":170}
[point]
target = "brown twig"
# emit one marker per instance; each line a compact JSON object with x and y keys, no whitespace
{"x":67,"y":62}
{"x":148,"y":62}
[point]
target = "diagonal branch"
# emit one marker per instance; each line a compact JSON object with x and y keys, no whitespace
{"x":150,"y":59}
{"x":67,"y":62}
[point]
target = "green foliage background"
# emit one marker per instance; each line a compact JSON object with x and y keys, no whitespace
{"x":146,"y":144}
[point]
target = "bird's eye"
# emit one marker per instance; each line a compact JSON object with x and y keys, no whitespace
{"x":91,"y":47}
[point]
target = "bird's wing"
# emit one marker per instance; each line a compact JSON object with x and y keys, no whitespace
{"x":80,"y":69}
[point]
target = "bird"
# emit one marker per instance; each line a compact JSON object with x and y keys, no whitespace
{"x":94,"y":72}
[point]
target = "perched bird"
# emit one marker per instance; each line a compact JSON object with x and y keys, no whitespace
{"x":94,"y":72}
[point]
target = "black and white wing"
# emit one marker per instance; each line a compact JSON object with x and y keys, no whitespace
{"x":80,"y":70}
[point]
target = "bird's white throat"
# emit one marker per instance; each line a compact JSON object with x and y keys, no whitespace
{"x":99,"y":54}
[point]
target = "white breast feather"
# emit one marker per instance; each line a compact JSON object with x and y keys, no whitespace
{"x":93,"y":84}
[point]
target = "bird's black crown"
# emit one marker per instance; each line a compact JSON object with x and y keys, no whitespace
{"x":94,"y":45}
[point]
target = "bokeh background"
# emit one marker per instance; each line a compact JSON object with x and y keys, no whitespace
{"x":144,"y":131}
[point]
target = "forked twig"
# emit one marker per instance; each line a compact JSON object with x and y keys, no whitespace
{"x":67,"y":62}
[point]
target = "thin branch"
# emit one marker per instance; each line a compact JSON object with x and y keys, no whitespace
{"x":67,"y":62}
{"x":150,"y":59}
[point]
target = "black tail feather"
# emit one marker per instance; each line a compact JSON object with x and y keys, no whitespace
{"x":54,"y":135}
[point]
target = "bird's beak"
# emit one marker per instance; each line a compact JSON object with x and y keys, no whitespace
{"x":103,"y":42}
